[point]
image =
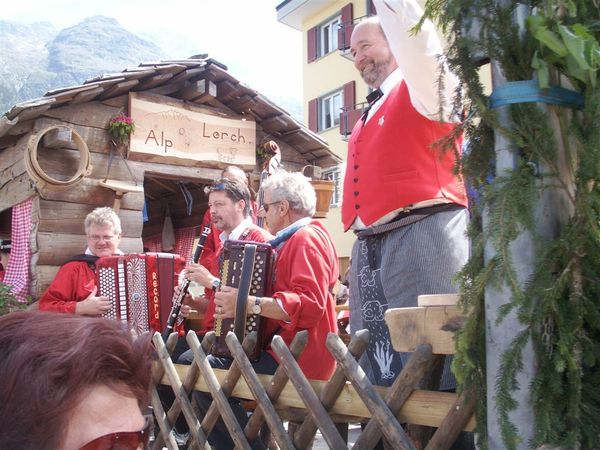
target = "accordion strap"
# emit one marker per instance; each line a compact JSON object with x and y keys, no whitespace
{"x":241,"y":306}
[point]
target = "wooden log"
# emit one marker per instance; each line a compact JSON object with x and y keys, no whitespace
{"x":57,"y":248}
{"x":12,"y":172}
{"x":379,"y":411}
{"x":41,"y":277}
{"x":410,"y":327}
{"x":88,"y":191}
{"x":330,"y":393}
{"x":97,"y":139}
{"x":448,"y":431}
{"x":16,"y":190}
{"x":58,"y":137}
{"x":258,"y":391}
{"x":67,"y":217}
{"x":280,"y":379}
{"x":236,"y":432}
{"x":91,"y":114}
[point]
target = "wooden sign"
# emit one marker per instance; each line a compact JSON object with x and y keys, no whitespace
{"x":165,"y":131}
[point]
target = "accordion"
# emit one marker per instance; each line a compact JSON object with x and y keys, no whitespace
{"x":247,"y":266}
{"x":140,"y":287}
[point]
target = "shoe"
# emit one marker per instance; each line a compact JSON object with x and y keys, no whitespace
{"x":181,"y":439}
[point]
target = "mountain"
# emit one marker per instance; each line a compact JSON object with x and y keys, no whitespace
{"x":35,"y":58}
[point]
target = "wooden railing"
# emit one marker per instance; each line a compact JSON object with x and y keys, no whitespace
{"x":348,"y":397}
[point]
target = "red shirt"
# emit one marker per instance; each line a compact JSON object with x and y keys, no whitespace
{"x":306,"y":270}
{"x":73,"y":283}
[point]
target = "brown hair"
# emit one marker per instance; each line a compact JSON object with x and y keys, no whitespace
{"x":235,"y":190}
{"x":48,"y":359}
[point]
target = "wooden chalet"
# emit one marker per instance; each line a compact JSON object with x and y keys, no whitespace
{"x":192,"y":119}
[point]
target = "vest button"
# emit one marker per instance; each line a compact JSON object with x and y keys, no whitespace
{"x":355,"y":193}
{"x":355,"y":166}
{"x":356,"y":206}
{"x":356,"y":180}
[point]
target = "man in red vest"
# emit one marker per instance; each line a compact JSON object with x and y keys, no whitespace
{"x":401,"y":195}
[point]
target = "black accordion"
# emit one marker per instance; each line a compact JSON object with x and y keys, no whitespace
{"x":247,"y":266}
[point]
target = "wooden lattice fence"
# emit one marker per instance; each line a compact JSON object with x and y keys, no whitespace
{"x":308,"y":405}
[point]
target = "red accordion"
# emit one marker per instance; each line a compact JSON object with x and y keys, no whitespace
{"x":140,"y":287}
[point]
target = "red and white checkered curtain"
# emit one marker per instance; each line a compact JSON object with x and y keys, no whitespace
{"x":17,"y":273}
{"x":184,"y":242}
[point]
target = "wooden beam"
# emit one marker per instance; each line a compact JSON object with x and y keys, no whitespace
{"x":433,"y":325}
{"x":422,"y":408}
{"x":198,"y":91}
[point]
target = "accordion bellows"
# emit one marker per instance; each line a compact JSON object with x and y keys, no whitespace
{"x":140,"y":287}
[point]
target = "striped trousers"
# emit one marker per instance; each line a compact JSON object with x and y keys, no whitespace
{"x":390,"y":270}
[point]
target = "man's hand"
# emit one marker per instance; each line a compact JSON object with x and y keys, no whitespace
{"x":225,"y":301}
{"x":199,"y":274}
{"x":92,"y":305}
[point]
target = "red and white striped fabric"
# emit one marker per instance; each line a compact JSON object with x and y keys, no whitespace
{"x":17,"y":273}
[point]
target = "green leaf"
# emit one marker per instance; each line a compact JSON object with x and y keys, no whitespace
{"x":575,"y":45}
{"x":542,"y":70}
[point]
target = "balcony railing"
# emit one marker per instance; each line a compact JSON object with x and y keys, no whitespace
{"x":349,"y":116}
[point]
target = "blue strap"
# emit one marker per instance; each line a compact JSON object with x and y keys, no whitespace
{"x":529,"y":91}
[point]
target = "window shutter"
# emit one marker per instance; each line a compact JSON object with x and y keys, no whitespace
{"x":311,"y":39}
{"x":371,"y":8}
{"x":345,"y":31}
{"x":313,"y":115}
{"x":349,"y":116}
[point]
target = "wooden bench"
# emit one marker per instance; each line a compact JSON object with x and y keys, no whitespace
{"x":347,"y":397}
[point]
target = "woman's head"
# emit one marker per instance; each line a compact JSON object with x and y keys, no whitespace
{"x":51,"y":364}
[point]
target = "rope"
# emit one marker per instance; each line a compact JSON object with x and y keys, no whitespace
{"x":37,"y":173}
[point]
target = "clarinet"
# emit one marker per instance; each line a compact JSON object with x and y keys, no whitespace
{"x":178,"y":299}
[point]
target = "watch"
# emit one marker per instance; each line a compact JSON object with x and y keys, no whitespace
{"x":256,"y":308}
{"x":216,"y":283}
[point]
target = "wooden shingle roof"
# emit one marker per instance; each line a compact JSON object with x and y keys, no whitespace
{"x":190,"y":80}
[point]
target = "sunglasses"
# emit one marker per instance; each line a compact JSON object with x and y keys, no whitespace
{"x":125,"y":440}
{"x":266,"y":206}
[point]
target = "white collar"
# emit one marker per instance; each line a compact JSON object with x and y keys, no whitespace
{"x":391,"y":81}
{"x":237,"y":231}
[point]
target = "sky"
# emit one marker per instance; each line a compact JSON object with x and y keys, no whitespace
{"x":243,"y":34}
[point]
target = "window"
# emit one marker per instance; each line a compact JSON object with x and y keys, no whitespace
{"x":335,"y":175}
{"x":328,"y":36}
{"x":329,"y":110}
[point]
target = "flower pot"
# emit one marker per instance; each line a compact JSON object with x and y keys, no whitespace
{"x":324,"y":191}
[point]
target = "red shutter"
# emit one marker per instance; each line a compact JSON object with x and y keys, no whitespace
{"x":345,"y":31}
{"x":371,"y":8}
{"x":311,"y":39}
{"x":313,"y":115}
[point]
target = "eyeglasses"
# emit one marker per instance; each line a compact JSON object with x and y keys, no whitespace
{"x":127,"y":440}
{"x":266,"y":206}
{"x":96,"y":238}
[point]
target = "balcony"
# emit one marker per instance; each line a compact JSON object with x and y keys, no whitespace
{"x":348,"y":118}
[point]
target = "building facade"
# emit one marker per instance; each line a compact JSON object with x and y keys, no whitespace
{"x":334,"y":93}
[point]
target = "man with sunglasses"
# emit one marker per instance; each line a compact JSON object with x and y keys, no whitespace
{"x":305,"y":272}
{"x":72,"y":383}
{"x":73,"y":290}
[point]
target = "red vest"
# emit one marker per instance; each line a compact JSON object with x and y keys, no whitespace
{"x":391,"y":163}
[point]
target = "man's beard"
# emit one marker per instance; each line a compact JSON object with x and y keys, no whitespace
{"x":375,"y":73}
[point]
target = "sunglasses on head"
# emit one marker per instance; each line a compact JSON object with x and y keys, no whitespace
{"x":124,"y":440}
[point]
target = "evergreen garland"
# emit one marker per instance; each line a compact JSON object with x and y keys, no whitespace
{"x":559,"y":305}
